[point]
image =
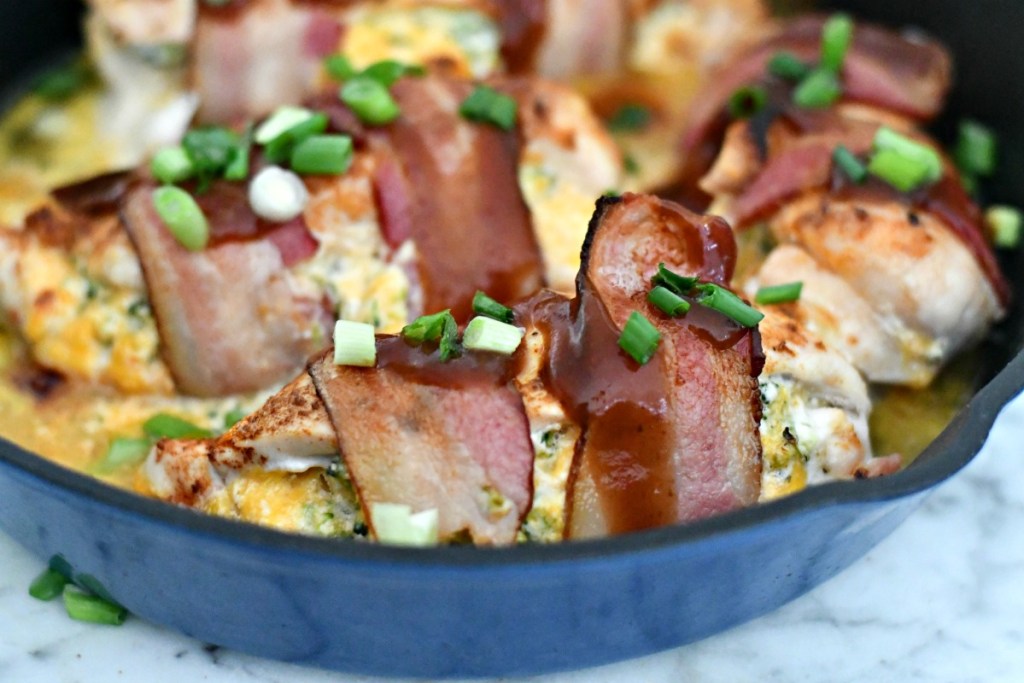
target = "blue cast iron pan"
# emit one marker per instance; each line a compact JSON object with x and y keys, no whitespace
{"x":458,"y":612}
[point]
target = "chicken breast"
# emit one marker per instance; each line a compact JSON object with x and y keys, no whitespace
{"x":814,"y":427}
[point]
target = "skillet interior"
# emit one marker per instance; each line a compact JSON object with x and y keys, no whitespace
{"x":502,"y":609}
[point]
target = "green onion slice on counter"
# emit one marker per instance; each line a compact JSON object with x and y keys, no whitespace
{"x":668,"y":301}
{"x":850,"y":164}
{"x":322,"y":155}
{"x":485,"y":305}
{"x":355,"y":344}
{"x":83,"y":606}
{"x":727,"y":303}
{"x":48,"y":585}
{"x":779,"y":294}
{"x":370,"y":100}
{"x":487,"y":334}
{"x":167,"y":426}
{"x":639,"y":338}
{"x":487,"y":105}
{"x":182,"y":216}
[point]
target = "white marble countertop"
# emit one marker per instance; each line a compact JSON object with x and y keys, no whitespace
{"x":942,"y":599}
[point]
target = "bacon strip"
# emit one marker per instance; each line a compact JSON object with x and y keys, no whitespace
{"x":251,"y":56}
{"x":562,"y":39}
{"x":902,"y":74}
{"x":674,"y":440}
{"x":443,"y":437}
{"x":806,"y":165}
{"x":450,"y":185}
{"x":228,"y":318}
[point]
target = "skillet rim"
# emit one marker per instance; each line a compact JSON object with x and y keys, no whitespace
{"x":956,"y":446}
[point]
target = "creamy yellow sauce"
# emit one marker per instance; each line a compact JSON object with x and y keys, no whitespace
{"x":45,"y":144}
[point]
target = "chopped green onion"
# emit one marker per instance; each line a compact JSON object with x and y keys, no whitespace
{"x":355,"y":344}
{"x":836,"y":36}
{"x":1005,"y":225}
{"x":487,"y":334}
{"x":747,"y":101}
{"x":819,"y":89}
{"x":639,"y":338}
{"x":788,"y":66}
{"x":850,"y":164}
{"x":668,"y":301}
{"x":172,"y":165}
{"x":281,"y":147}
{"x":182,"y":216}
{"x":903,"y":173}
{"x":283,"y":119}
{"x":167,"y":426}
{"x":629,"y":118}
{"x":323,"y":155}
{"x":674,"y":282}
{"x":630,"y":164}
{"x":339,"y":68}
{"x":969,"y":183}
{"x":903,"y":162}
{"x":82,"y":606}
{"x":426,"y":328}
{"x":728,"y":304}
{"x":487,"y":105}
{"x":61,"y":83}
{"x":211,"y":150}
{"x":238,"y":167}
{"x":122,"y":452}
{"x":485,"y":305}
{"x":449,"y":345}
{"x":48,"y":585}
{"x":370,"y":101}
{"x":389,"y":71}
{"x":779,"y":294}
{"x":233,"y":417}
{"x":59,"y":564}
{"x":976,"y":149}
{"x":397,"y":525}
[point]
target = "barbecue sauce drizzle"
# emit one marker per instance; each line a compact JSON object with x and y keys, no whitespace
{"x":625,"y":409}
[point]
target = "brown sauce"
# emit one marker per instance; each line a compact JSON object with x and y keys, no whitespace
{"x":423,"y":365}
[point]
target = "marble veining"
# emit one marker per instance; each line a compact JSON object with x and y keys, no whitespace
{"x":942,"y":599}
